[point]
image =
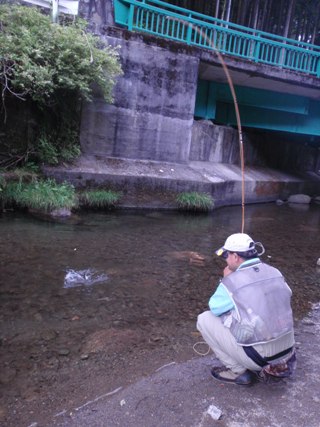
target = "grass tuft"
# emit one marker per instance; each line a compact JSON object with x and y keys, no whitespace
{"x":196,"y":202}
{"x":44,"y":195}
{"x":99,"y":198}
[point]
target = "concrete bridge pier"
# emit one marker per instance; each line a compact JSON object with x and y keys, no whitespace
{"x":152,"y":115}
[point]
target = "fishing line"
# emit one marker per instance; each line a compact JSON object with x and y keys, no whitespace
{"x":199,"y":352}
{"x":236,"y":106}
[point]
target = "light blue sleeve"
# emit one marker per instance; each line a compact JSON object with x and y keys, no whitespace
{"x":220,"y":302}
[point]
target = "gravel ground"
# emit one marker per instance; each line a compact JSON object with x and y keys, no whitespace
{"x":184,"y":394}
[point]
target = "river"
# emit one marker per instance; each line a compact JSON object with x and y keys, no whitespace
{"x":113,"y":295}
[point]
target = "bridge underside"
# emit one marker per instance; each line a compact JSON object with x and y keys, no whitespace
{"x":259,"y":108}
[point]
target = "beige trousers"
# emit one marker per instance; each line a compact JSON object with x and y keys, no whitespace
{"x":223,"y":344}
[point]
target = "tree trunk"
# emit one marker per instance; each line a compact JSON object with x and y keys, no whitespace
{"x":217,"y":9}
{"x":268,"y":21}
{"x":227,"y":18}
{"x":238,"y":15}
{"x":255,"y":14}
{"x":315,"y":27}
{"x":281,"y":13}
{"x":223,"y":10}
{"x":289,"y":17}
{"x":245,"y":13}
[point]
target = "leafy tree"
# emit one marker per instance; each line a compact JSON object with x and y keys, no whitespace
{"x":52,"y":67}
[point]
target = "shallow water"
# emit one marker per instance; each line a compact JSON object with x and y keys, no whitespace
{"x":144,"y":255}
{"x":158,"y":272}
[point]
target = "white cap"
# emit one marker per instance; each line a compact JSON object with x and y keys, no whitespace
{"x":240,"y":243}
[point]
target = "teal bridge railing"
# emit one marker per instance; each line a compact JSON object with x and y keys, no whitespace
{"x":175,"y":23}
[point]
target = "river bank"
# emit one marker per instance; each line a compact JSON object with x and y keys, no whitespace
{"x":150,"y":184}
{"x":184,"y":394}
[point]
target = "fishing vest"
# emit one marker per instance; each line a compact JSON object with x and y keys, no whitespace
{"x":262,"y":310}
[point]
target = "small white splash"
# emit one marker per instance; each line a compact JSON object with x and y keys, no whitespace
{"x":88,"y":277}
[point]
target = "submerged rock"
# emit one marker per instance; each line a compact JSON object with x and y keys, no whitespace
{"x":299,"y":198}
{"x":63,"y":352}
{"x":56,"y":213}
{"x":49,"y":334}
{"x":62,"y":212}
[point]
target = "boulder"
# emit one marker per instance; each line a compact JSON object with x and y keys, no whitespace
{"x":299,"y":198}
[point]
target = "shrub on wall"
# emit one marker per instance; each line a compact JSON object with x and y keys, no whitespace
{"x":52,"y":66}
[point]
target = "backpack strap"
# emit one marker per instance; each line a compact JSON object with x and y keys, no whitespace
{"x":263,"y":361}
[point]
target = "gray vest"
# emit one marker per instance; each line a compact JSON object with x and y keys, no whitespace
{"x":262,"y":310}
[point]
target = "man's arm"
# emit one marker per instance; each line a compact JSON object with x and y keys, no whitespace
{"x":220,"y":302}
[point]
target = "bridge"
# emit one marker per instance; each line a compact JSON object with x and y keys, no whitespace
{"x":265,"y":103}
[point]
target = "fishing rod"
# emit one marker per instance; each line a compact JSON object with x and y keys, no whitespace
{"x":236,"y":107}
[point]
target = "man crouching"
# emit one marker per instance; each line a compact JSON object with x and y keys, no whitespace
{"x":250,"y":325}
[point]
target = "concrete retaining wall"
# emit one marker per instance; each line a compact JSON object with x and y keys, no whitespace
{"x":152,"y":115}
{"x":288,"y":152}
{"x":220,"y":144}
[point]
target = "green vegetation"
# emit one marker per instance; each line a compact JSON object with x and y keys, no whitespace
{"x":40,"y":58}
{"x":99,"y":198}
{"x":51,"y":150}
{"x":52,"y":67}
{"x":196,"y":202}
{"x":23,"y":188}
{"x":2,"y":186}
{"x":45,"y":195}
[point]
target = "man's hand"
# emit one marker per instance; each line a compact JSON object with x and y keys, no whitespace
{"x":227,"y":271}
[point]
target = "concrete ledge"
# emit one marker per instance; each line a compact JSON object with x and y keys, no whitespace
{"x":155,"y":184}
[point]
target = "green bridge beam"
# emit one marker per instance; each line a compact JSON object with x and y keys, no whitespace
{"x":175,"y":23}
{"x":258,"y":108}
